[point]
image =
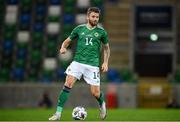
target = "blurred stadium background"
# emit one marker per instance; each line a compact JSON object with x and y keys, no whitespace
{"x":144,"y":67}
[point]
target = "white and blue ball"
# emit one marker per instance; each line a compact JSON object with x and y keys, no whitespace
{"x":79,"y":113}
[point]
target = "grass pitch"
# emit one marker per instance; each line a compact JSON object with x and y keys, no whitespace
{"x":93,"y":115}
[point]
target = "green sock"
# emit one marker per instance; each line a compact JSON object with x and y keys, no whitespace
{"x":100,"y":99}
{"x":63,"y":98}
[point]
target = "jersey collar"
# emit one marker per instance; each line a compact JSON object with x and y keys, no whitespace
{"x":90,"y":28}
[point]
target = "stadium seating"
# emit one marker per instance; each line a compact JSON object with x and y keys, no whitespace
{"x":32,"y":32}
{"x":83,"y":3}
{"x":4,"y":75}
{"x":1,"y":13}
{"x":55,"y":2}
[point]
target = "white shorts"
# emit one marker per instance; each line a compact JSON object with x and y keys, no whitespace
{"x":90,"y":73}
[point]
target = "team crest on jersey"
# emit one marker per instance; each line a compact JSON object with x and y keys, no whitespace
{"x":96,"y":34}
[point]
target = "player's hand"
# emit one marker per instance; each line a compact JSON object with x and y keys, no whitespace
{"x":104,"y":67}
{"x":63,"y":50}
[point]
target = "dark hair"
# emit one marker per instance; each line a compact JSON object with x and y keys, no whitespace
{"x":93,"y":9}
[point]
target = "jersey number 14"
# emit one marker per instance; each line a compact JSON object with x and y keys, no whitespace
{"x":89,"y":41}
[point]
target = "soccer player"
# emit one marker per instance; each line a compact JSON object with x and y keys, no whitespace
{"x":86,"y":62}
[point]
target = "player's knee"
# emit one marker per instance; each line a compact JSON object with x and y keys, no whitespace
{"x":95,"y":93}
{"x":70,"y":81}
{"x":68,"y":84}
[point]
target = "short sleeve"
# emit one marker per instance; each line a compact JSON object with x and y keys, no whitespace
{"x":104,"y":38}
{"x":74,"y":34}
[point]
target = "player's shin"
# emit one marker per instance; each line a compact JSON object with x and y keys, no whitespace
{"x":101,"y":98}
{"x":62,"y":99}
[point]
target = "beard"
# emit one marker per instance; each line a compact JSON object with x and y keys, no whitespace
{"x":93,"y":23}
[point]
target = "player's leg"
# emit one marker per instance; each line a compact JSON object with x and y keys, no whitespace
{"x":70,"y":80}
{"x":63,"y":96}
{"x":92,"y":77}
{"x":73,"y":73}
{"x":95,"y":90}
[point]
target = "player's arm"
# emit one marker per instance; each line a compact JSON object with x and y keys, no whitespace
{"x":64,"y":45}
{"x":106,"y":51}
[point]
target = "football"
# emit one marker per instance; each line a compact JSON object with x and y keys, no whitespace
{"x":79,"y":113}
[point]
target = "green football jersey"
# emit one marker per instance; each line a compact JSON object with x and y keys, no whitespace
{"x":88,"y":44}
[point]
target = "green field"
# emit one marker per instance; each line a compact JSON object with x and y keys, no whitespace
{"x":93,"y":115}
